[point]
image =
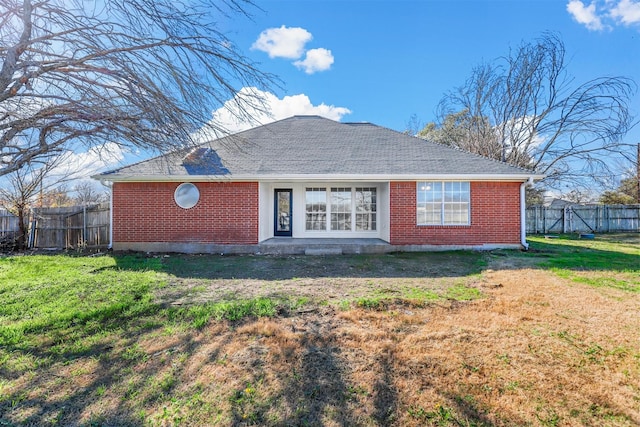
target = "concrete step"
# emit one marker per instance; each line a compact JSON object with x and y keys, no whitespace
{"x":323,"y":251}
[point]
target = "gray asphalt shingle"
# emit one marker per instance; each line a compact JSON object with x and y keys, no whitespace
{"x":312,"y":145}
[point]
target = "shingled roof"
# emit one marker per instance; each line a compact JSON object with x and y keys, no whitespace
{"x":315,"y":147}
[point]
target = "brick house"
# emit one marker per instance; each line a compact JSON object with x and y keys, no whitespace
{"x":308,"y":179}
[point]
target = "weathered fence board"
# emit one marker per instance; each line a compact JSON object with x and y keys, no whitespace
{"x":62,"y":228}
{"x":8,"y":223}
{"x":9,"y":230}
{"x":71,"y":227}
{"x":583,"y":219}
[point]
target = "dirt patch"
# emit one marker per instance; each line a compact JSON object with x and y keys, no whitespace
{"x":538,"y":350}
{"x":321,"y":279}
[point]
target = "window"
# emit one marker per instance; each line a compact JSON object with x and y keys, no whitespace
{"x":342,"y":209}
{"x":366,"y":207}
{"x":443,"y":203}
{"x":186,"y":195}
{"x":316,"y":209}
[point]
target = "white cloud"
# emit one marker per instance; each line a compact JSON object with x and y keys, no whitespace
{"x":605,"y":14}
{"x":585,"y":15}
{"x":84,"y":164}
{"x":283,"y":42}
{"x":627,"y":12}
{"x":273,"y":109}
{"x":316,"y":60}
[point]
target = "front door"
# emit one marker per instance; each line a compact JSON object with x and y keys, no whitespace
{"x":282,"y":212}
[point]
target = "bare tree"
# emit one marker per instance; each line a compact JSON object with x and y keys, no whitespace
{"x":86,"y":194}
{"x":460,"y":129}
{"x":145,"y":73}
{"x":627,"y":192}
{"x":526,"y":110}
{"x":413,"y":125}
{"x":57,"y":196}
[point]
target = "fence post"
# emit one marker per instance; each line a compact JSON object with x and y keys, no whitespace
{"x":31,"y":241}
{"x":84,"y":225}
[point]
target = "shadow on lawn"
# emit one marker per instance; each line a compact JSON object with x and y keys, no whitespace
{"x":114,"y":374}
{"x":311,"y":386}
{"x":266,"y":267}
{"x":69,"y":387}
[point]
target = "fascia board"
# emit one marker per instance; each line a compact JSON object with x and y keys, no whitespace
{"x":319,"y":178}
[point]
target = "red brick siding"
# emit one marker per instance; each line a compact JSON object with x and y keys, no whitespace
{"x":495,"y":217}
{"x":227,"y":213}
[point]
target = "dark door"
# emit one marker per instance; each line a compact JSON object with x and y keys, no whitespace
{"x":282,"y":212}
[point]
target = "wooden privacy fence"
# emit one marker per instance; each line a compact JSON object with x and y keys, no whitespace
{"x":70,"y":227}
{"x":75,"y":227}
{"x":583,"y":219}
{"x":9,"y":227}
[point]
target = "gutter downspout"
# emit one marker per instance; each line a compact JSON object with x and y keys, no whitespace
{"x":523,"y":215}
{"x":111,"y":218}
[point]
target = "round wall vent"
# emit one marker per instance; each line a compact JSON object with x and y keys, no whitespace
{"x":186,"y":195}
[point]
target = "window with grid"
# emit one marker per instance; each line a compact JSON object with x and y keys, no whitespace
{"x":340,"y":209}
{"x":316,"y":209}
{"x":366,"y":209}
{"x":443,"y":203}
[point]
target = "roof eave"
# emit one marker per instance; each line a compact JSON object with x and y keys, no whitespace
{"x":520,"y":177}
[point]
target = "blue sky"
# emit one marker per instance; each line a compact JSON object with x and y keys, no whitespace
{"x":384,"y":61}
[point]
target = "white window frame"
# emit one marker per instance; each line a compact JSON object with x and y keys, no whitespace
{"x":420,"y":185}
{"x":353,"y":211}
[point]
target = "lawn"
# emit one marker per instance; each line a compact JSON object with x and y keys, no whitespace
{"x":539,"y":338}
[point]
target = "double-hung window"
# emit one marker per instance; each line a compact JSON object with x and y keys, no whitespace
{"x":341,"y":209}
{"x":316,"y":209}
{"x":443,"y":203}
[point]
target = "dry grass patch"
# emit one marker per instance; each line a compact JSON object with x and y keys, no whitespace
{"x":508,"y":340}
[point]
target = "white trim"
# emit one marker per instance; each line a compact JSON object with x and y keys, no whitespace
{"x":299,"y":212}
{"x":443,"y":202}
{"x":111,"y":219}
{"x":384,"y":209}
{"x":320,"y":178}
{"x":523,"y":215}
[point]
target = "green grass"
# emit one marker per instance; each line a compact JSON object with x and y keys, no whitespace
{"x":73,"y":302}
{"x":591,"y":261}
{"x":100,"y":315}
{"x":417,"y":297}
{"x":200,"y":315}
{"x":602,"y":253}
{"x":55,"y":294}
{"x":66,"y":297}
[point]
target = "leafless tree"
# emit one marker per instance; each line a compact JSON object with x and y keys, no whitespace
{"x":526,"y":110}
{"x":413,"y":125}
{"x":145,"y":73}
{"x":460,"y":129}
{"x":86,"y":194}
